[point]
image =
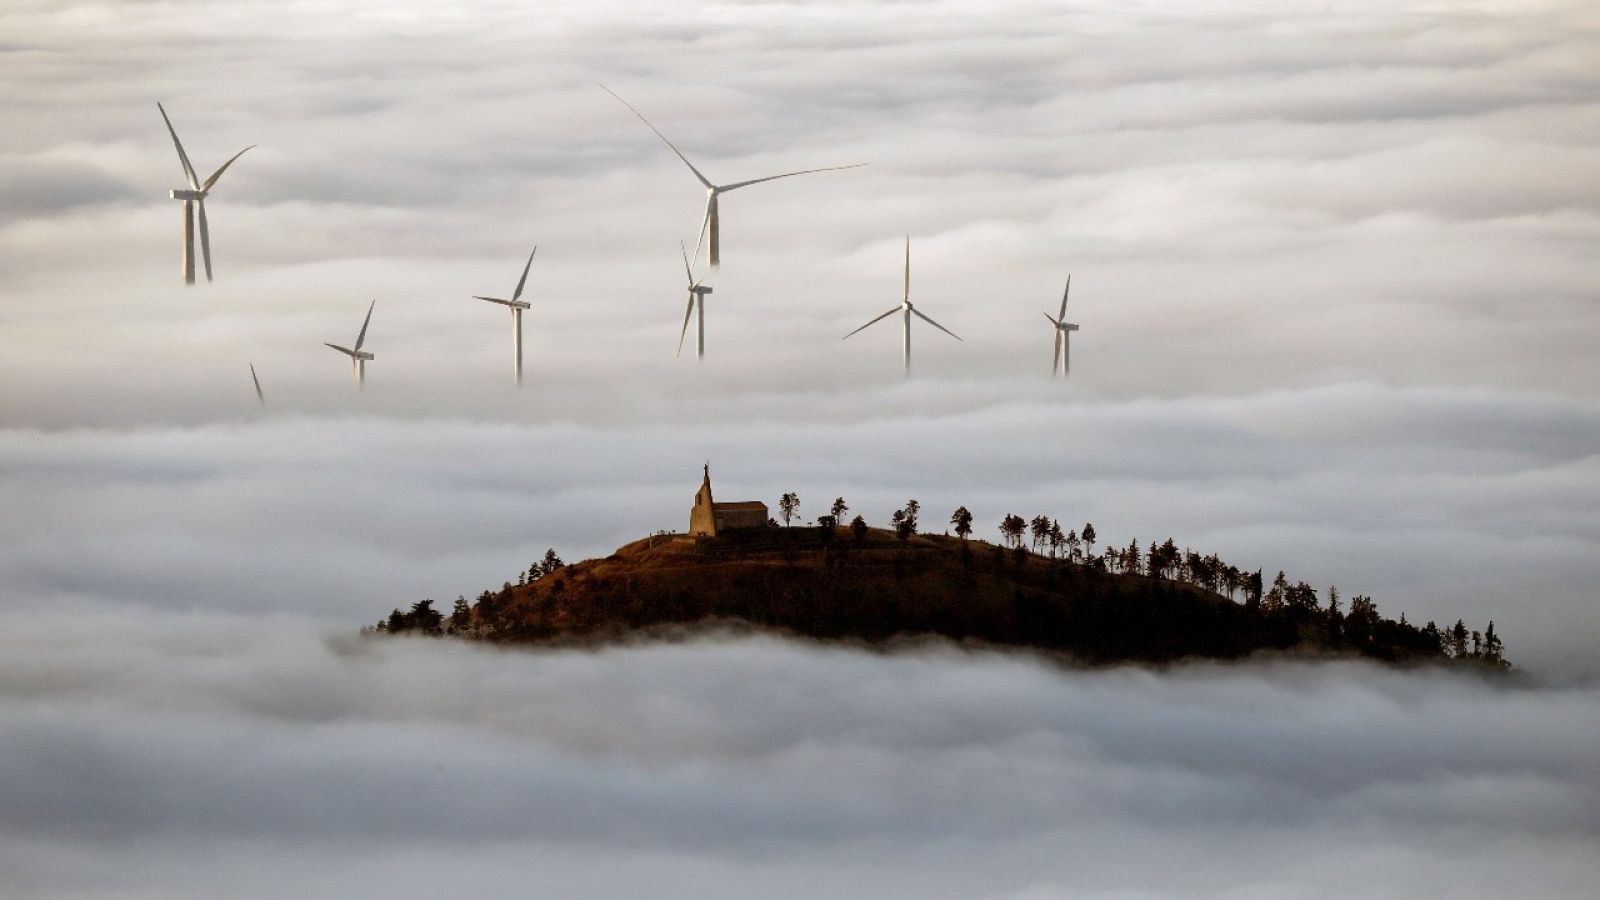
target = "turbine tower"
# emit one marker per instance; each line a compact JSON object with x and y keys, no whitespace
{"x":358,"y":357}
{"x":697,"y":307}
{"x":710,"y":223}
{"x":517,"y":305}
{"x":192,"y":196}
{"x":1063,"y":330}
{"x":907,"y":311}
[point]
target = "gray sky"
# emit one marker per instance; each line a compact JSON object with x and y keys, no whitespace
{"x":1334,"y":272}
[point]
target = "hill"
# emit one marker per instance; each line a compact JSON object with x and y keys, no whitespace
{"x":877,"y":586}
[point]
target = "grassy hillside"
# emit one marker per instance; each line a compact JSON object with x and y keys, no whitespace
{"x":876,"y":587}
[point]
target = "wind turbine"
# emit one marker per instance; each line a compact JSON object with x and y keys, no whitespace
{"x":710,"y":222}
{"x":517,"y":305}
{"x":260,"y":397}
{"x":1063,"y":330}
{"x":192,"y":196}
{"x":697,"y":306}
{"x":907,"y":311}
{"x":358,"y":357}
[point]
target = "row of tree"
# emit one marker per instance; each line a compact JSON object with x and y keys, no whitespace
{"x":422,"y":618}
{"x":1359,"y":625}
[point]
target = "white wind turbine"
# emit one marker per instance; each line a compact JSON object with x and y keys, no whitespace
{"x":192,"y":196}
{"x":358,"y":357}
{"x":1063,"y":330}
{"x":517,"y":305}
{"x":710,"y":222}
{"x":696,"y":307}
{"x":907,"y":311}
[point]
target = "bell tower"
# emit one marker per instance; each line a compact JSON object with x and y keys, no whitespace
{"x":702,"y":517}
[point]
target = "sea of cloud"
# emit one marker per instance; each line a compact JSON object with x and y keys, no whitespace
{"x":207,"y":755}
{"x":1334,"y":269}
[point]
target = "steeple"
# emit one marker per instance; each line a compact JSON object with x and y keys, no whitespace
{"x":703,"y":517}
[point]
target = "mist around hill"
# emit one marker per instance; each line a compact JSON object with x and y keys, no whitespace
{"x":192,"y":755}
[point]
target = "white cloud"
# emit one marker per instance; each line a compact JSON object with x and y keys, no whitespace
{"x":170,"y":754}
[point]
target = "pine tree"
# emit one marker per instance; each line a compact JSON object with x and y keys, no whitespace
{"x":962,"y":520}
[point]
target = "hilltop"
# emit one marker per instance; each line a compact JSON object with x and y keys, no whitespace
{"x":876,"y":586}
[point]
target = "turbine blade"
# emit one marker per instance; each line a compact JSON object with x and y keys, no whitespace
{"x":686,"y":312}
{"x":493,"y":300}
{"x":936,"y":325}
{"x":703,"y":179}
{"x":345,"y":350}
{"x":704,"y":225}
{"x":686,"y":270}
{"x":188,"y":170}
{"x":1064,"y":294}
{"x":1051,"y":321}
{"x":205,"y":238}
{"x":740,"y":184}
{"x":260,"y":397}
{"x":362,"y":337}
{"x":524,"y":279}
{"x":907,"y":294}
{"x":873,"y":322}
{"x":218,"y":173}
{"x":1055,"y":355}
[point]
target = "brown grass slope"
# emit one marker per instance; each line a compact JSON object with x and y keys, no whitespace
{"x":829,"y":586}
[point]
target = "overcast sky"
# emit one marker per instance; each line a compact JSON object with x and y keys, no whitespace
{"x":1334,"y":270}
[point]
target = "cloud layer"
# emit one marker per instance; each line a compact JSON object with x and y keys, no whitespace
{"x":1439,"y":504}
{"x":186,"y":756}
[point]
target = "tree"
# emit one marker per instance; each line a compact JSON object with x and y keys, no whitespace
{"x":1012,"y":528}
{"x":550,"y":563}
{"x":911,"y":509}
{"x":1088,"y":536}
{"x":901,"y":524}
{"x":1056,"y":538}
{"x":962,"y":520}
{"x":858,"y":529}
{"x":788,"y":505}
{"x":1361,"y":622}
{"x":1039,"y":528}
{"x":425,"y":618}
{"x":460,"y":615}
{"x":838,"y":509}
{"x":1072,"y":543}
{"x":1493,"y":650}
{"x":1273,"y":601}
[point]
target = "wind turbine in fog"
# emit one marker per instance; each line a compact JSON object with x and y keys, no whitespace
{"x":907,"y":311}
{"x":697,"y":306}
{"x":517,"y":306}
{"x":260,"y":397}
{"x":192,"y":196}
{"x":1063,"y":330}
{"x":358,"y":357}
{"x":710,"y":223}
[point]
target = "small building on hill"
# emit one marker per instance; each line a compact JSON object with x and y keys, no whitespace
{"x":710,"y":518}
